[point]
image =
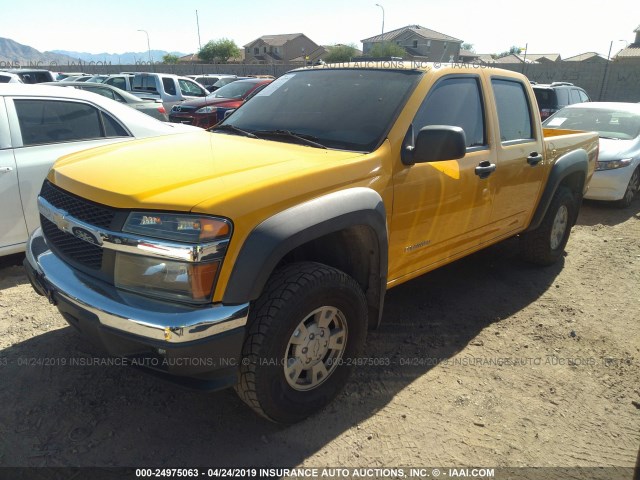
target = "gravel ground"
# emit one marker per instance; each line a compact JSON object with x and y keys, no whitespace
{"x":485,"y":362}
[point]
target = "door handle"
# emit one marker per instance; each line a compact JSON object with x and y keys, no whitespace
{"x":484,"y":169}
{"x":534,"y":158}
{"x":5,"y":169}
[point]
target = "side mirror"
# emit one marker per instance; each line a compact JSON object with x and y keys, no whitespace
{"x":436,"y":143}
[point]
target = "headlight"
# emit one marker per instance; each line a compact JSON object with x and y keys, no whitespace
{"x":173,"y":277}
{"x":612,"y":164}
{"x":206,"y":110}
{"x":165,"y":278}
{"x":177,"y":227}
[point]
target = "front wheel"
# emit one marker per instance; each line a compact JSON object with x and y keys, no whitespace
{"x":305,"y":332}
{"x":545,"y":245}
{"x":632,"y":188}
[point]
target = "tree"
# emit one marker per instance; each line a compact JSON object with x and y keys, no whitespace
{"x":512,"y":51}
{"x":468,"y":47}
{"x":387,"y":49}
{"x":170,"y":59}
{"x":341,"y":53}
{"x":221,"y":50}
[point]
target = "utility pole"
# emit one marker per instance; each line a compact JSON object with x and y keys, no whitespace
{"x":198,"y":25}
{"x":378,"y":5}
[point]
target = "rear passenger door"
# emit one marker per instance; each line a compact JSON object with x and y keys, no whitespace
{"x":43,"y":130}
{"x":520,"y":170}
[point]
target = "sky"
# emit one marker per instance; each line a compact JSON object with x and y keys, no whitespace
{"x":567,"y":27}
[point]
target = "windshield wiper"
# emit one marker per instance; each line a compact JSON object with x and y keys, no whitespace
{"x":609,"y":138}
{"x":300,"y":137}
{"x":234,"y":129}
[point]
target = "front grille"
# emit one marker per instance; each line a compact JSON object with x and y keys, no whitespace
{"x":78,"y":250}
{"x":183,"y":108}
{"x":83,"y":210}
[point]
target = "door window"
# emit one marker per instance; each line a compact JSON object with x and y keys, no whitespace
{"x":514,"y":114}
{"x":53,"y":121}
{"x":454,"y":101}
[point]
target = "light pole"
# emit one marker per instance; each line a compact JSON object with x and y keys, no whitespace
{"x":148,"y":46}
{"x":606,"y":69}
{"x":378,"y":5}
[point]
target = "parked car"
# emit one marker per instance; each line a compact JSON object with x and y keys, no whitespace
{"x":212,"y":82}
{"x":208,"y":111}
{"x":123,"y":81}
{"x":99,"y":79}
{"x":39,"y":124}
{"x":150,"y":107}
{"x":617,"y":175}
{"x":62,"y":75}
{"x":6,"y":77}
{"x":259,"y":252}
{"x":557,"y":95}
{"x":171,"y":89}
{"x":29,"y":75}
{"x":76,"y":78}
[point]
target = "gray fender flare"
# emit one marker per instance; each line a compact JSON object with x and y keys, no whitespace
{"x":276,"y":236}
{"x":576,"y":161}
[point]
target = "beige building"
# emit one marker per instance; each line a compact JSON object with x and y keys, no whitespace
{"x":420,"y":43}
{"x":279,"y":49}
{"x":632,"y":51}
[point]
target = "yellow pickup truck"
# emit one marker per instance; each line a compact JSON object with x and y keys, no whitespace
{"x":257,"y":254}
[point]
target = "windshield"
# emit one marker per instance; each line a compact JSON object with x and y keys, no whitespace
{"x":347,"y":109}
{"x":233,"y":90}
{"x":620,"y":124}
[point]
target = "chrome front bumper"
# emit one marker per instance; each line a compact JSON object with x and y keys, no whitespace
{"x":125,"y":312}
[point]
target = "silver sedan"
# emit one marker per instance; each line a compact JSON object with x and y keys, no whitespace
{"x":617,"y":175}
{"x":39,"y":124}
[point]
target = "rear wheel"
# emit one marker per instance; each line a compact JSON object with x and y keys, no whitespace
{"x":632,"y":189}
{"x":305,"y":330}
{"x":545,"y":245}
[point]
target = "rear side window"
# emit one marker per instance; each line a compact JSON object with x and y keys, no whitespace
{"x":169,"y":86}
{"x":583,"y":96}
{"x":53,"y":121}
{"x":514,"y":115}
{"x":117,"y":82}
{"x":457,"y":102}
{"x":575,"y":96}
{"x":562,"y":95}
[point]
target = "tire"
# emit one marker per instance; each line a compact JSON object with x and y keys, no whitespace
{"x":288,"y":370}
{"x":632,"y":189}
{"x":545,"y":245}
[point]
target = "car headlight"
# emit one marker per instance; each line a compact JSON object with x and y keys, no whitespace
{"x":173,"y":277}
{"x":178,"y":227}
{"x":612,"y":164}
{"x":206,"y":110}
{"x":168,"y":279}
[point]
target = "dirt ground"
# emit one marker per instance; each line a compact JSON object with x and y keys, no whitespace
{"x":485,"y":362}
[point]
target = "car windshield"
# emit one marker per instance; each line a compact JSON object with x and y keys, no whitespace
{"x":618,"y":124}
{"x":233,"y":90}
{"x":347,"y":109}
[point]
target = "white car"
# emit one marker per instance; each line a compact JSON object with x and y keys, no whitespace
{"x":38,"y":125}
{"x":617,"y":175}
{"x":6,"y":77}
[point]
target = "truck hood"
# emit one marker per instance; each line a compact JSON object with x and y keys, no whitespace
{"x":178,"y":172}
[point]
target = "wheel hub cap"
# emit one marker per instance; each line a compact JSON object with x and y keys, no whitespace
{"x":560,"y":223}
{"x":315,"y":348}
